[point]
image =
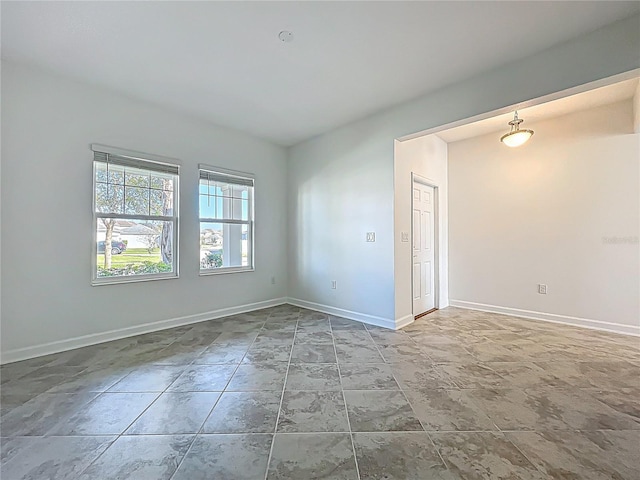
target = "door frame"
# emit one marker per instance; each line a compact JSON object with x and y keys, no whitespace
{"x":416,"y":178}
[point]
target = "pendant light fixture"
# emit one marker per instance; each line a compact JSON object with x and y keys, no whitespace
{"x":516,"y":137}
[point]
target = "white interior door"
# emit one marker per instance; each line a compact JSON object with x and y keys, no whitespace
{"x":423,"y":248}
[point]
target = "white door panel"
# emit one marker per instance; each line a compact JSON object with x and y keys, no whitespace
{"x":423,"y":248}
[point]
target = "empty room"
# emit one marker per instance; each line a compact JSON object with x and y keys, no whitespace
{"x":320,"y":240}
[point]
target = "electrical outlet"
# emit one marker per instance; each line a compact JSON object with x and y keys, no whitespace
{"x":371,"y":236}
{"x":334,"y":284}
{"x":542,"y":289}
{"x":273,"y":280}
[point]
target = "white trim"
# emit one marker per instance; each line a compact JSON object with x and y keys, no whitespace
{"x":551,"y":317}
{"x":351,"y":315}
{"x":122,"y":152}
{"x":24,"y":353}
{"x":404,"y":321}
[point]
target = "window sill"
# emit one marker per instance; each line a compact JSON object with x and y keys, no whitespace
{"x":222,"y":271}
{"x":97,"y":282}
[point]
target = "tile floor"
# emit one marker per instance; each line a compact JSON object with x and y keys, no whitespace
{"x":288,"y":393}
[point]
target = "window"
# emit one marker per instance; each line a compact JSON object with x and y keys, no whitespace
{"x":226,"y":221}
{"x":135,"y":217}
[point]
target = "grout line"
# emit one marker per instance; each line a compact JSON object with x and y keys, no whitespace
{"x":284,"y":386}
{"x":344,"y":400}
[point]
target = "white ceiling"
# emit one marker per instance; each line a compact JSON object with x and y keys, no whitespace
{"x":222,"y":61}
{"x":616,"y":92}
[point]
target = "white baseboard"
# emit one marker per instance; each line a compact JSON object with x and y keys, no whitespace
{"x":551,"y":317}
{"x":404,"y":321}
{"x":351,"y":315}
{"x":25,"y":353}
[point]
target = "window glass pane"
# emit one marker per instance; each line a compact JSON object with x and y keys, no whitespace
{"x":224,"y":245}
{"x":156,"y":201}
{"x":135,"y":247}
{"x":136,"y":201}
{"x":236,"y":209}
{"x":116,"y":174}
{"x":101,"y":172}
{"x":109,"y":198}
{"x":207,"y":206}
{"x":204,"y":187}
{"x":161,"y":181}
{"x":136,"y":177}
{"x":213,"y":188}
{"x":210,"y":245}
{"x":245,"y":209}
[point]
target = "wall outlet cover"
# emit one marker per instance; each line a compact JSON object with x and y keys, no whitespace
{"x":404,"y":236}
{"x":371,"y":236}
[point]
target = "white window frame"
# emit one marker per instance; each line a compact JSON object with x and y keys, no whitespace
{"x":230,"y":176}
{"x":136,"y":160}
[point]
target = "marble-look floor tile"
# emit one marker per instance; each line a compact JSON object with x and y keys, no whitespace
{"x":358,"y":353}
{"x":91,"y":380}
{"x":222,"y":353}
{"x":59,"y":458}
{"x":398,"y":456}
{"x":203,"y":378}
{"x":141,"y":457}
{"x":152,"y":378}
{"x":571,"y":454}
{"x":524,"y":375}
{"x":40,"y":380}
{"x":306,"y":411}
{"x":624,"y":400}
{"x":242,"y":339}
{"x":244,"y":412}
{"x":421,"y":375}
{"x":401,"y":352}
{"x":367,"y":376}
{"x":226,"y":457}
{"x":448,"y":410}
{"x":341,"y":323}
{"x":313,"y":376}
{"x":258,"y":377}
{"x":380,"y":411}
{"x":313,"y":353}
{"x":8,"y":401}
{"x":175,"y":413}
{"x":266,"y":353}
{"x":476,"y":375}
{"x":317,"y":337}
{"x":40,"y":414}
{"x":310,"y":456}
{"x":11,"y":446}
{"x":108,"y":414}
{"x":484,"y":455}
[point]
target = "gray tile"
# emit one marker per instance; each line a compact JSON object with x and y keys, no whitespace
{"x":306,"y":411}
{"x":380,"y":411}
{"x":11,"y":446}
{"x":295,"y":456}
{"x":484,"y":455}
{"x":40,"y":414}
{"x":8,"y":401}
{"x":90,"y":380}
{"x":40,"y":380}
{"x":59,"y":458}
{"x":317,"y":337}
{"x":152,"y":378}
{"x":244,"y":412}
{"x":258,"y":377}
{"x":313,"y":376}
{"x":351,"y":353}
{"x":266,"y":352}
{"x":571,"y":454}
{"x":367,"y":376}
{"x":240,"y":339}
{"x":476,"y":375}
{"x":226,"y":457}
{"x":141,"y":457}
{"x":108,"y":414}
{"x":222,"y":353}
{"x":175,"y":413}
{"x":340,"y":323}
{"x":313,"y":353}
{"x":420,"y":375}
{"x":203,"y":378}
{"x":398,"y":456}
{"x":448,"y":410}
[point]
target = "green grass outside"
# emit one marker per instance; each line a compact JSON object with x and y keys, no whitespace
{"x":132,"y":255}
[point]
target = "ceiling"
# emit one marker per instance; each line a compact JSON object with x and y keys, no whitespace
{"x":223,"y":61}
{"x":616,"y":92}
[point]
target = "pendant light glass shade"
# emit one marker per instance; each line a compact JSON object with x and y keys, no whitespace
{"x":516,"y":137}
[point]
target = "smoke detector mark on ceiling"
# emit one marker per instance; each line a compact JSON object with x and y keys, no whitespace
{"x":286,"y":36}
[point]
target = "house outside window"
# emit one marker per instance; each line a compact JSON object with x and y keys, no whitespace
{"x":226,"y":221}
{"x":135,"y":216}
